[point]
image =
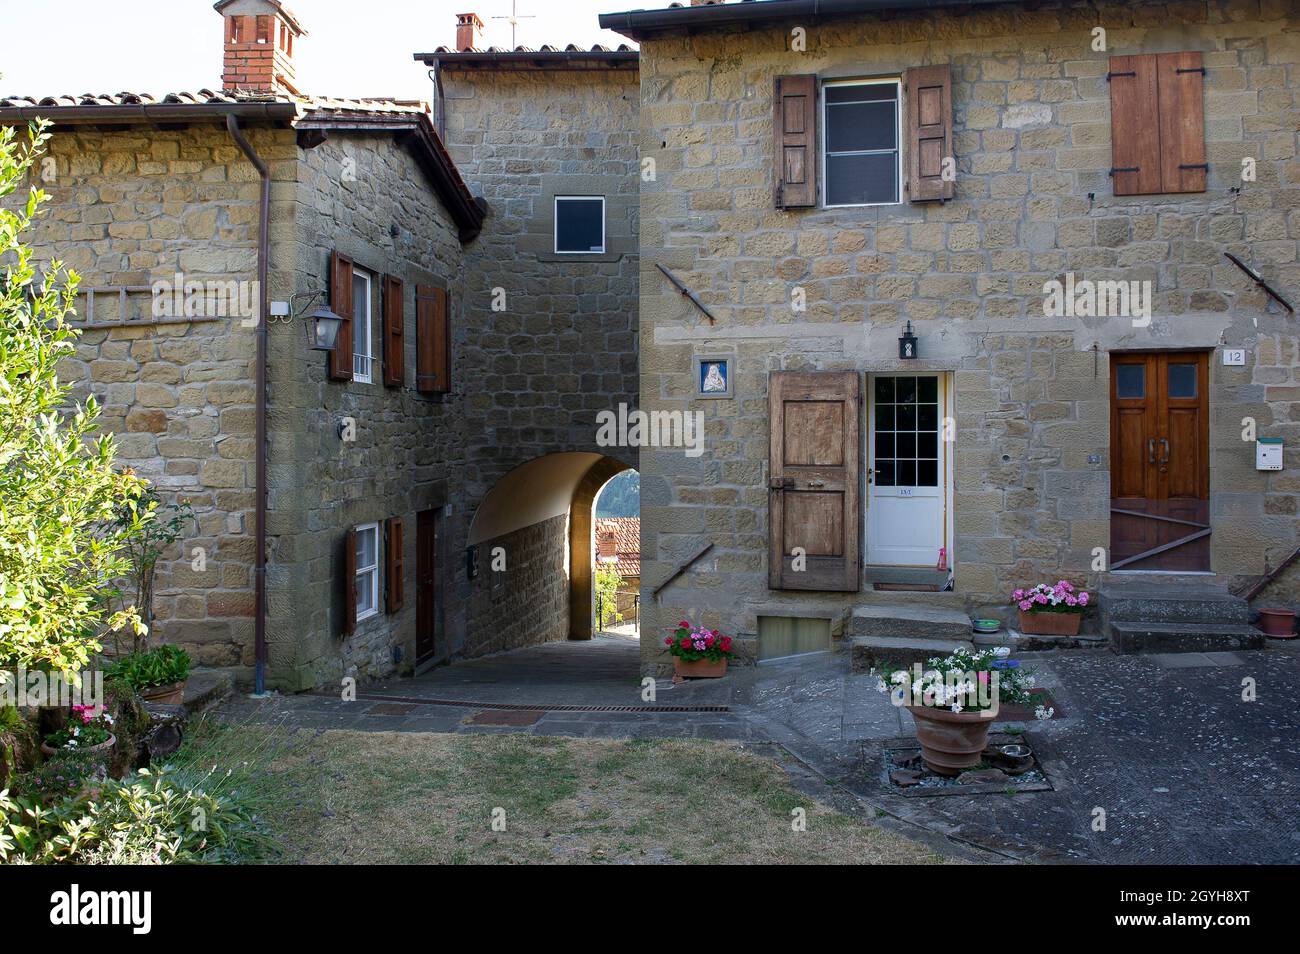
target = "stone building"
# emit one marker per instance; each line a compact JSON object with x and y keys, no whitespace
{"x":874,"y":200}
{"x":549,"y":139}
{"x":340,"y":550}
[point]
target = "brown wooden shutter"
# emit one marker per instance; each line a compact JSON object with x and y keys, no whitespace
{"x":813,"y":480}
{"x":395,"y":568}
{"x":795,"y":156}
{"x":1134,"y":125}
{"x":432,"y":340}
{"x":394,"y":349}
{"x":929,"y":132}
{"x":340,"y":359}
{"x":349,"y":582}
{"x":1180,"y":79}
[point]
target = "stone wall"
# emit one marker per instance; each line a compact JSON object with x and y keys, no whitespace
{"x":365,"y":196}
{"x":1033,"y":200}
{"x":130,"y":208}
{"x":528,"y":602}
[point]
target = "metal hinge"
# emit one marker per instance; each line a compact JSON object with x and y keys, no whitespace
{"x":1109,"y":76}
{"x":1192,"y":69}
{"x":1112,"y":172}
{"x":1196,"y":165}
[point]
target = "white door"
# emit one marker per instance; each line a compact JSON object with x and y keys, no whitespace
{"x":908,"y":479}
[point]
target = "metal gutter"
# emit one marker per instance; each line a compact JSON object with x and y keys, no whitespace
{"x":636,"y":24}
{"x":264,"y":306}
{"x":149,"y":113}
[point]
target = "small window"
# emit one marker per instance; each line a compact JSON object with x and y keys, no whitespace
{"x":1131,"y":380}
{"x":860,"y":143}
{"x":367,"y":570}
{"x":1182,"y":380}
{"x":361,"y":353}
{"x":580,"y":224}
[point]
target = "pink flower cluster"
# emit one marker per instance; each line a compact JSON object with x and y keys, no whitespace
{"x":692,"y":639}
{"x":1062,"y":597}
{"x":87,"y":714}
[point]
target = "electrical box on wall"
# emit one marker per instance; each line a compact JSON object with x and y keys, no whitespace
{"x":1268,"y":453}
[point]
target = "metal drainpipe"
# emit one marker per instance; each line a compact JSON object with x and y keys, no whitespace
{"x":439,"y":106}
{"x":264,"y":306}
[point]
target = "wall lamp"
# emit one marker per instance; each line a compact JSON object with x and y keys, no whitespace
{"x":321,"y":323}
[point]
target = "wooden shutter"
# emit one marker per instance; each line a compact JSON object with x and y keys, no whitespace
{"x":929,"y":131}
{"x":813,"y":480}
{"x":394,"y":349}
{"x":340,"y":359}
{"x":349,"y":582}
{"x":1134,"y":125}
{"x":432,"y":340}
{"x":395,"y":564}
{"x":795,"y":156}
{"x":1180,"y":79}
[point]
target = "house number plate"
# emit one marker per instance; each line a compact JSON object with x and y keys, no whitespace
{"x":1234,"y":356}
{"x":904,"y":491}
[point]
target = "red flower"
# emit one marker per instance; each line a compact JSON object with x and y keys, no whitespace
{"x":684,"y":625}
{"x":668,"y":641}
{"x":715,"y":632}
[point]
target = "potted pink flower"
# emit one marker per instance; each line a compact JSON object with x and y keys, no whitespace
{"x":1053,"y":610}
{"x":698,"y":652}
{"x":90,"y":729}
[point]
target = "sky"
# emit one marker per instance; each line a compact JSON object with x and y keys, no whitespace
{"x":353,"y":48}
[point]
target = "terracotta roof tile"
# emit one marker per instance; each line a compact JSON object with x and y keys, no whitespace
{"x":627,"y":542}
{"x":544,"y":48}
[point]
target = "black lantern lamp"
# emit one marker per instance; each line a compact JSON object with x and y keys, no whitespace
{"x":907,"y":343}
{"x":323,"y":328}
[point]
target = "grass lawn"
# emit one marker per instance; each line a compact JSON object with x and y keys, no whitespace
{"x":404,"y":798}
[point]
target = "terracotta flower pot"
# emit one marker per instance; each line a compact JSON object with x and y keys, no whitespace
{"x":101,"y":747}
{"x":951,"y":742}
{"x":170,"y":694}
{"x":699,"y":668}
{"x":1050,"y":624}
{"x":1278,"y":623}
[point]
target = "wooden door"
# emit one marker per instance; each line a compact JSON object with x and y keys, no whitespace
{"x":1160,"y":472}
{"x":814,"y":519}
{"x":426,"y":580}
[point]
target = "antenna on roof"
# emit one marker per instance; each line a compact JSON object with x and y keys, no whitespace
{"x":513,"y":20}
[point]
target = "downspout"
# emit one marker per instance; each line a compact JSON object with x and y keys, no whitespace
{"x":264,"y":306}
{"x":439,"y":107}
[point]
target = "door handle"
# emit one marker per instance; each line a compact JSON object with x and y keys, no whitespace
{"x":781,"y":483}
{"x":1164,"y":458}
{"x":1151,"y":450}
{"x":871,"y":475}
{"x":816,"y":483}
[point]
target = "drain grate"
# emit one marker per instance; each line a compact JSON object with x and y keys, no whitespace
{"x":522,"y":706}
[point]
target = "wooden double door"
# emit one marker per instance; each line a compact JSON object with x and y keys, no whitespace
{"x":1160,"y":467}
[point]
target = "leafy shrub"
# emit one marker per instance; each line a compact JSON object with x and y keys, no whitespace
{"x":156,"y":667}
{"x":60,"y":776}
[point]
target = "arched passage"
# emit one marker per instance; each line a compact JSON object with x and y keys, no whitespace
{"x":531,"y":542}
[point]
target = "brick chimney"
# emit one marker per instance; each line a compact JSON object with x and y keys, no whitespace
{"x":607,"y":544}
{"x":469,"y":31}
{"x":259,"y":38}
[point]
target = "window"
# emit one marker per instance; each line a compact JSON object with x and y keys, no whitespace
{"x":367,"y":582}
{"x":361,"y":359}
{"x":580,"y":224}
{"x":860,"y":142}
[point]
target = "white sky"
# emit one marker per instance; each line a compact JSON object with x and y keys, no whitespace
{"x":353,"y":47}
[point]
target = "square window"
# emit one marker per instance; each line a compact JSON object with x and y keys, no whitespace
{"x":1182,"y":380}
{"x":860,"y":143}
{"x":361,"y":356}
{"x":367,"y":582}
{"x":580,"y":224}
{"x":1130,"y":380}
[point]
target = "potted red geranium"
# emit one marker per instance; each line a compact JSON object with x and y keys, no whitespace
{"x":699,"y":652}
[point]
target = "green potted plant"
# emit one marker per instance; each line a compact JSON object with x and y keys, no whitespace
{"x":1051,"y":610}
{"x":153,"y":527}
{"x":698,"y":652}
{"x":158,"y":675}
{"x":89,"y":730}
{"x":954,"y":699}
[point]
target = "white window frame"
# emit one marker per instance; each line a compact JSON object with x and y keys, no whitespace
{"x":897,"y":83}
{"x":363,"y":362}
{"x":555,"y":224}
{"x":370,"y":571}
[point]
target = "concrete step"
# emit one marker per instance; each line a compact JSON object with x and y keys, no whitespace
{"x":1172,"y":603}
{"x":910,"y":619}
{"x":870,"y":597}
{"x":1133,"y":637}
{"x":896,"y":652}
{"x":1018,"y":642}
{"x":904,"y":574}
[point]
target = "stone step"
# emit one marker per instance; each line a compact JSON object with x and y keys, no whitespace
{"x":897,"y":652}
{"x":1133,"y":637}
{"x":1017,"y":641}
{"x":910,"y":619}
{"x":904,"y":575}
{"x":870,"y":597}
{"x":1172,"y":603}
{"x":207,"y":687}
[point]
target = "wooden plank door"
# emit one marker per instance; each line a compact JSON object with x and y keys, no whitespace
{"x":1160,"y":474}
{"x":814,"y":519}
{"x":426,"y":580}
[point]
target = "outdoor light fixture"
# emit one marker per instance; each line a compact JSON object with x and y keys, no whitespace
{"x":321,"y":324}
{"x":323,"y":328}
{"x":907,"y":343}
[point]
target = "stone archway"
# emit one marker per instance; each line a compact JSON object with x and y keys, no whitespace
{"x":581,"y":544}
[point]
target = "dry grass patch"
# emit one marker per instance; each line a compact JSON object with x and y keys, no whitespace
{"x":426,"y":798}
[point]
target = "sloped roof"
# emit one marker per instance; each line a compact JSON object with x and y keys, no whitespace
{"x":627,"y":542}
{"x":545,"y":57}
{"x":407,"y":118}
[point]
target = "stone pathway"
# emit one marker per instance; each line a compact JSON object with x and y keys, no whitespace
{"x":1161,"y":749}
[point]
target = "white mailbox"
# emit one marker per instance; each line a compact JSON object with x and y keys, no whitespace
{"x":1268,"y":453}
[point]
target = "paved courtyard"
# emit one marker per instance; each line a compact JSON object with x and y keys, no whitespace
{"x":1151,"y":759}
